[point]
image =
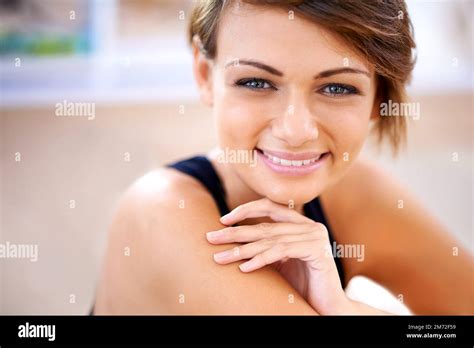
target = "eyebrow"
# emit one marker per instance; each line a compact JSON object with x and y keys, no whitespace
{"x":256,"y":64}
{"x":277,"y":72}
{"x":341,"y":71}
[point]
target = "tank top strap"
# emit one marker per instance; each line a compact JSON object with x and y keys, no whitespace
{"x":200,"y":168}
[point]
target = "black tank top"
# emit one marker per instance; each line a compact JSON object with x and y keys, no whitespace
{"x":201,"y":168}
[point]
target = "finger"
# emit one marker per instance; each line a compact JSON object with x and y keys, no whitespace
{"x":303,"y":250}
{"x":263,"y":207}
{"x":249,"y":250}
{"x":252,"y":233}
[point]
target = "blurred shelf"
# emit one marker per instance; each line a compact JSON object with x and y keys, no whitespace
{"x":126,"y":78}
{"x":138,"y":58}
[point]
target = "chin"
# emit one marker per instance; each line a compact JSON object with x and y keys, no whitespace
{"x":294,"y":193}
{"x":297,"y":198}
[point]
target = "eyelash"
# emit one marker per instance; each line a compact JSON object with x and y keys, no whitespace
{"x":244,"y":82}
{"x":348,"y":90}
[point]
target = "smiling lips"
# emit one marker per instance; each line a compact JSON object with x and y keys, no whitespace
{"x":292,"y":163}
{"x":292,"y":159}
{"x":288,"y":162}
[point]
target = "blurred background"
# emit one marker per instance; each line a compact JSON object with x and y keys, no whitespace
{"x":61,"y":177}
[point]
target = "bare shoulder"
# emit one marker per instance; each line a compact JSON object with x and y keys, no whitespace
{"x":162,"y":221}
{"x":369,"y":205}
{"x":406,"y":247}
{"x":365,"y":182}
{"x":147,"y":213}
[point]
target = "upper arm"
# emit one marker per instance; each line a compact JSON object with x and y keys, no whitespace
{"x":171,"y":270}
{"x":406,"y":249}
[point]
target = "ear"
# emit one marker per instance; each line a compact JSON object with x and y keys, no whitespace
{"x":202,"y":72}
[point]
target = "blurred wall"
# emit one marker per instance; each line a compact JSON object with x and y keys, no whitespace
{"x":90,"y":162}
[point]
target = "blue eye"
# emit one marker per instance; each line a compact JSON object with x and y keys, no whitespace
{"x":336,"y":90}
{"x":257,"y":84}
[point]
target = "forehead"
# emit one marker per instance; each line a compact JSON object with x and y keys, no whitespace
{"x":279,"y":38}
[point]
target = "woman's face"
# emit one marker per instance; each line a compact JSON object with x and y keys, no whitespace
{"x":293,"y":92}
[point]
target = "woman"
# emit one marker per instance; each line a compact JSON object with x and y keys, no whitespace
{"x":295,"y":89}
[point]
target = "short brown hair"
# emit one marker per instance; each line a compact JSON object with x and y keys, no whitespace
{"x":380,"y":30}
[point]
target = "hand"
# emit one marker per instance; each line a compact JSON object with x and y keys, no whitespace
{"x":297,"y":246}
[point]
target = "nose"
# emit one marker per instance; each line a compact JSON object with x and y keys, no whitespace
{"x":296,"y":126}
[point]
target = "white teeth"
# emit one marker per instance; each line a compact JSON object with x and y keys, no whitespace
{"x":291,"y":163}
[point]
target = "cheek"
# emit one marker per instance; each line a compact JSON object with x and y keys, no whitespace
{"x":348,"y":127}
{"x":239,"y":123}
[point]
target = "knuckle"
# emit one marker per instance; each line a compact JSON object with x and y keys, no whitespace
{"x":281,"y":239}
{"x":319,"y":230}
{"x":266,"y":242}
{"x":260,"y":258}
{"x":265,"y":258}
{"x":232,"y":233}
{"x":265,"y":225}
{"x":315,"y":243}
{"x":265,"y":229}
{"x":315,"y":233}
{"x":281,"y":248}
{"x":246,"y":249}
{"x":321,"y":227}
{"x":231,"y":230}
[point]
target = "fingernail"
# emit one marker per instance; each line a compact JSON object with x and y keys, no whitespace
{"x":223,"y":218}
{"x":222,"y":255}
{"x":214,"y":234}
{"x":246,"y":266}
